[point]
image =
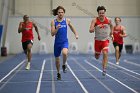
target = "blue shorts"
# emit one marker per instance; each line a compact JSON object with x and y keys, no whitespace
{"x":58,"y":48}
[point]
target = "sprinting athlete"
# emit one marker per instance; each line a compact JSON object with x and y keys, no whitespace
{"x":26,"y":28}
{"x":102,"y":26}
{"x":119,"y":33}
{"x":59,"y":30}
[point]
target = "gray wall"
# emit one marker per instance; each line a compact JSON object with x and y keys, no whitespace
{"x":81,"y":24}
{"x":77,"y":7}
{"x":80,"y":13}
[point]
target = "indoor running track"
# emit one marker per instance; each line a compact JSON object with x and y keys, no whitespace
{"x":83,"y":75}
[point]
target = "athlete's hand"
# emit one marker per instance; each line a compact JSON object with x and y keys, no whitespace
{"x":91,"y":31}
{"x":76,"y":36}
{"x":58,"y":26}
{"x":39,"y":38}
{"x":112,"y":37}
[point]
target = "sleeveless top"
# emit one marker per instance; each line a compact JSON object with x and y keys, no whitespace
{"x":102,"y":29}
{"x":27,"y":34}
{"x":61,"y":35}
{"x":116,"y":33}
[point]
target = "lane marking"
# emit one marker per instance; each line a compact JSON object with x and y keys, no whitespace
{"x":53,"y":83}
{"x":106,"y":87}
{"x":121,"y":67}
{"x":82,"y":86}
{"x":130,"y":75}
{"x":11,"y":77}
{"x":132,"y":63}
{"x":124,"y":68}
{"x":12,"y":70}
{"x":112,"y":77}
{"x":40,"y":77}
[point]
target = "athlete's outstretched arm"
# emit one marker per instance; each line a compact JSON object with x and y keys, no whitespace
{"x":53,"y":29}
{"x":92,"y":25}
{"x":36,"y":29}
{"x":20,"y":28}
{"x":72,"y":28}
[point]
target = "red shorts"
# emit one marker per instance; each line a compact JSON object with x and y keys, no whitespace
{"x":101,"y":46}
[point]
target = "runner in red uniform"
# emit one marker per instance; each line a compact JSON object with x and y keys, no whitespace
{"x":118,"y":33}
{"x":103,"y":29}
{"x":26,"y":28}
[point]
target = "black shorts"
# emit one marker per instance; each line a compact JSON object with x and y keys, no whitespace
{"x":25,"y":44}
{"x":119,"y":45}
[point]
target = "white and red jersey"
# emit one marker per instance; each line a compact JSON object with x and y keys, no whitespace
{"x":27,"y":34}
{"x":116,"y":33}
{"x":102,"y":29}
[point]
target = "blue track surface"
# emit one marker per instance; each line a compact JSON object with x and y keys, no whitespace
{"x":83,"y":75}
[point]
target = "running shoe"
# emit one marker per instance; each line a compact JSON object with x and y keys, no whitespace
{"x":104,"y":73}
{"x":64,"y":67}
{"x":117,"y":63}
{"x":27,"y":66}
{"x":58,"y":76}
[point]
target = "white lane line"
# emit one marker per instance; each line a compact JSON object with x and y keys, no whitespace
{"x":112,"y":78}
{"x":132,"y":63}
{"x":40,"y":77}
{"x":11,"y":77}
{"x":121,"y":67}
{"x":82,"y":86}
{"x":107,"y":88}
{"x":124,"y":68}
{"x":130,"y":75}
{"x":12,"y":70}
{"x":53,"y":83}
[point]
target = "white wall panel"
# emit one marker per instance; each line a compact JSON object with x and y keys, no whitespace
{"x":81,"y":24}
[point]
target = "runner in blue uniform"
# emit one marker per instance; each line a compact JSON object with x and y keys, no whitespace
{"x":59,"y":30}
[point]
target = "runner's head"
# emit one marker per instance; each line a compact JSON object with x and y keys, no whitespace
{"x":101,"y":11}
{"x":117,"y":20}
{"x":25,"y":18}
{"x":60,"y":11}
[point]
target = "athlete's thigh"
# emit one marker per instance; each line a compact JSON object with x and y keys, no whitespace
{"x":29,"y":44}
{"x":105,"y":45}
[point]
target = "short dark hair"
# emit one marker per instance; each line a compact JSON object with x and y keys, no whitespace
{"x":56,"y":10}
{"x":101,"y":8}
{"x":25,"y":16}
{"x":118,"y":18}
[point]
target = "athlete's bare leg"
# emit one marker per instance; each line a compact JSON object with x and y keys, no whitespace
{"x":117,"y":54}
{"x":65,"y":54}
{"x":29,"y":54}
{"x":105,"y":60}
{"x":57,"y":60}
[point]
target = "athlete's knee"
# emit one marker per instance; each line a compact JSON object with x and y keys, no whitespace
{"x":65,"y":52}
{"x":57,"y":60}
{"x":117,"y":48}
{"x":29,"y":46}
{"x":29,"y":50}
